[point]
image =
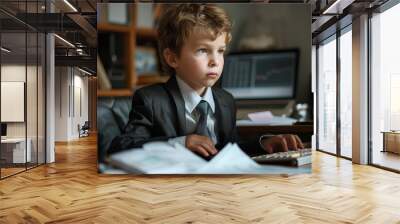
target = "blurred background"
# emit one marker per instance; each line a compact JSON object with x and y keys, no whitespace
{"x":267,"y":64}
{"x":128,"y":57}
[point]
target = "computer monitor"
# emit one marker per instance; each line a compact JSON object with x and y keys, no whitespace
{"x":3,"y":129}
{"x":261,"y":75}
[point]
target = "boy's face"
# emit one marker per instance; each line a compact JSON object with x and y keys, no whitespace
{"x":201,"y":61}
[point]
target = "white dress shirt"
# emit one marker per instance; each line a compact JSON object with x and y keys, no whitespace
{"x":191,"y":99}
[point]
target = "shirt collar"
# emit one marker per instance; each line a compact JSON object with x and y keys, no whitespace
{"x":192,"y":98}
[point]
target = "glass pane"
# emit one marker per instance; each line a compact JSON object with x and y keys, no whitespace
{"x":22,"y":63}
{"x":327,"y":96}
{"x":14,"y":152}
{"x":41,"y":99}
{"x":31,"y":84}
{"x":346,"y":94}
{"x":386,"y":88}
{"x":31,"y":97}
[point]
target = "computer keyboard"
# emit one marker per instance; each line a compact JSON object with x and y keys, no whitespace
{"x":297,"y":158}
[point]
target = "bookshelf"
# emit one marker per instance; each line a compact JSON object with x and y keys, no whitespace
{"x":120,"y":60}
{"x":147,"y":33}
{"x":114,"y":93}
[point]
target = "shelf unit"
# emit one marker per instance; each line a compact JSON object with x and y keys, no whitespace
{"x":131,"y":33}
{"x":114,"y":93}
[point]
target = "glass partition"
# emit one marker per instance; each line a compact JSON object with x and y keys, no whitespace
{"x":31,"y":97}
{"x":346,"y":92}
{"x":41,"y":110}
{"x":15,"y":151}
{"x":326,"y":84}
{"x":22,"y":77}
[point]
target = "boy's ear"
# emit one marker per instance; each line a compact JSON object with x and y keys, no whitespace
{"x":170,"y":57}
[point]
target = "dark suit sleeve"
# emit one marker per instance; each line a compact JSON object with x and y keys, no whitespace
{"x":138,"y":131}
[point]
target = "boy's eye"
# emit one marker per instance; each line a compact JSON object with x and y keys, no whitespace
{"x":202,"y":50}
{"x":221,"y":51}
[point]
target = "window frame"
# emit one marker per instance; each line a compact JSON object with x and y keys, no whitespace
{"x":346,"y":26}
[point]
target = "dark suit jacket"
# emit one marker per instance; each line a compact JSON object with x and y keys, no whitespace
{"x":158,"y":113}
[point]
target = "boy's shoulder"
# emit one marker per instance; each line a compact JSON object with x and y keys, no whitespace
{"x":223,"y":93}
{"x":160,"y":91}
{"x":153,"y":88}
{"x":154,"y":91}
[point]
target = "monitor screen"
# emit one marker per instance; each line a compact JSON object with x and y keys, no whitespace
{"x":261,"y":75}
{"x":3,"y":129}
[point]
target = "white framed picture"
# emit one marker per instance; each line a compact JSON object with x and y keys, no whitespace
{"x":12,"y":101}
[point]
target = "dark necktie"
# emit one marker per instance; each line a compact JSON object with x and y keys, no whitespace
{"x":201,"y":128}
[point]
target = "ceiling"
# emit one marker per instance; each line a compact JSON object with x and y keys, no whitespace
{"x":79,"y":27}
{"x":20,"y":20}
{"x":333,"y":15}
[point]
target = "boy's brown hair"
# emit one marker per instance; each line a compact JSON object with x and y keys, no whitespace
{"x":179,"y":21}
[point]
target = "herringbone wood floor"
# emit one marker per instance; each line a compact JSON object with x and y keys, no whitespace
{"x":71,"y":191}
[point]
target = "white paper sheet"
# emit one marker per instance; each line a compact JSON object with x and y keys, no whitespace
{"x":162,"y":158}
{"x":272,"y":121}
{"x":231,"y":159}
{"x":158,"y":158}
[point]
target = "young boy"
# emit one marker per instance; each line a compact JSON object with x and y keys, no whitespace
{"x":188,"y":109}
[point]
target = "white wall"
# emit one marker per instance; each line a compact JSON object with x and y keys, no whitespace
{"x":81,"y":82}
{"x":71,"y":93}
{"x":61,"y":103}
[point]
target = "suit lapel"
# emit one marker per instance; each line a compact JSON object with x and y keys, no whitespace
{"x":222,"y":111}
{"x":173,"y":88}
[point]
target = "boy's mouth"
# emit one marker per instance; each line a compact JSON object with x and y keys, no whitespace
{"x":212,"y":75}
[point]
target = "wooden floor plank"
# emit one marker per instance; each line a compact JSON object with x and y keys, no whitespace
{"x":71,"y":191}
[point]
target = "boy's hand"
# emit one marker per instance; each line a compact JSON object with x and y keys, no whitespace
{"x":201,"y":145}
{"x":282,"y":143}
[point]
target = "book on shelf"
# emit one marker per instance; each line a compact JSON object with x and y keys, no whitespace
{"x":146,"y":60}
{"x":111,"y":53}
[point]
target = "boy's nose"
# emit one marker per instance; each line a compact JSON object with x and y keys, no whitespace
{"x":213,"y":62}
